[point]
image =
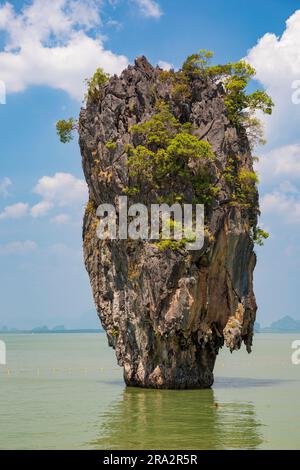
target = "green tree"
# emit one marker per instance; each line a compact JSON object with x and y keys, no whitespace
{"x":242,"y":106}
{"x":95,"y":84}
{"x":259,"y":236}
{"x":196,"y":63}
{"x":65,"y":128}
{"x":236,"y":77}
{"x":165,"y":156}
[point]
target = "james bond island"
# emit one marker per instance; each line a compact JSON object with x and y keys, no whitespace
{"x":165,"y":137}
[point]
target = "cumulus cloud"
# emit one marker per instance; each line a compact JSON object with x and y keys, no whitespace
{"x":60,"y":190}
{"x":61,"y":219}
{"x":281,"y":162}
{"x":18,"y":248}
{"x":15,"y":211}
{"x":5,"y":183}
{"x":40,"y":209}
{"x":165,"y":65}
{"x":283,"y":202}
{"x":45,"y":40}
{"x":277,"y":63}
{"x":149,"y":8}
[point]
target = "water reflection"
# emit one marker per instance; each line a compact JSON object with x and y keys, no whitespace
{"x":170,"y":419}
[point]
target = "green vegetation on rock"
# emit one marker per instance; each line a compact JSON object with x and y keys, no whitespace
{"x":235,"y":77}
{"x":197,"y":63}
{"x":167,"y":161}
{"x":110,"y":145}
{"x":242,"y":182}
{"x":259,"y":236}
{"x":65,"y":128}
{"x":95,"y":84}
{"x":169,"y":151}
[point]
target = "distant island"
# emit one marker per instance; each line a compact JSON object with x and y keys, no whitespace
{"x":286,"y":324}
{"x":45,"y":329}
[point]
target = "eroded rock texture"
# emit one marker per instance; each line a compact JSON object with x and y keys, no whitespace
{"x":167,"y":313}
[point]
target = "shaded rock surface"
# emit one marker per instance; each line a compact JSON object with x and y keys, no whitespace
{"x":167,"y":313}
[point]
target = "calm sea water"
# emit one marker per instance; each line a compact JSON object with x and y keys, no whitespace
{"x":65,"y":391}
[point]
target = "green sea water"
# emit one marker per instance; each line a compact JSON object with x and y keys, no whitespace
{"x":65,"y":391}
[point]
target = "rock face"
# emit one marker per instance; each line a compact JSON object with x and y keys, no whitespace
{"x":167,"y":313}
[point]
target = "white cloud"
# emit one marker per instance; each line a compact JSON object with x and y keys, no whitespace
{"x":5,"y":183}
{"x":165,"y":65}
{"x":277,"y":63}
{"x":15,"y":211}
{"x":18,"y":248}
{"x":283,"y":202}
{"x":281,"y":162}
{"x":149,"y":8}
{"x":61,"y":219}
{"x":63,"y":190}
{"x":49,"y":43}
{"x":41,"y":209}
{"x":114,"y":24}
{"x":60,"y":190}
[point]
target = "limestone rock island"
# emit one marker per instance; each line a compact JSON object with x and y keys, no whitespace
{"x":165,"y":136}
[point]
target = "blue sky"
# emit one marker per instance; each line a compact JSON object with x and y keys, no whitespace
{"x":47,"y":48}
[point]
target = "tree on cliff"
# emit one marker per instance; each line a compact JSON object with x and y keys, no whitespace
{"x":235,"y":76}
{"x":65,"y":128}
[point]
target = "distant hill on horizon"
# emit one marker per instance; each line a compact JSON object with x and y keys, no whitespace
{"x":44,"y":329}
{"x":286,"y":324}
